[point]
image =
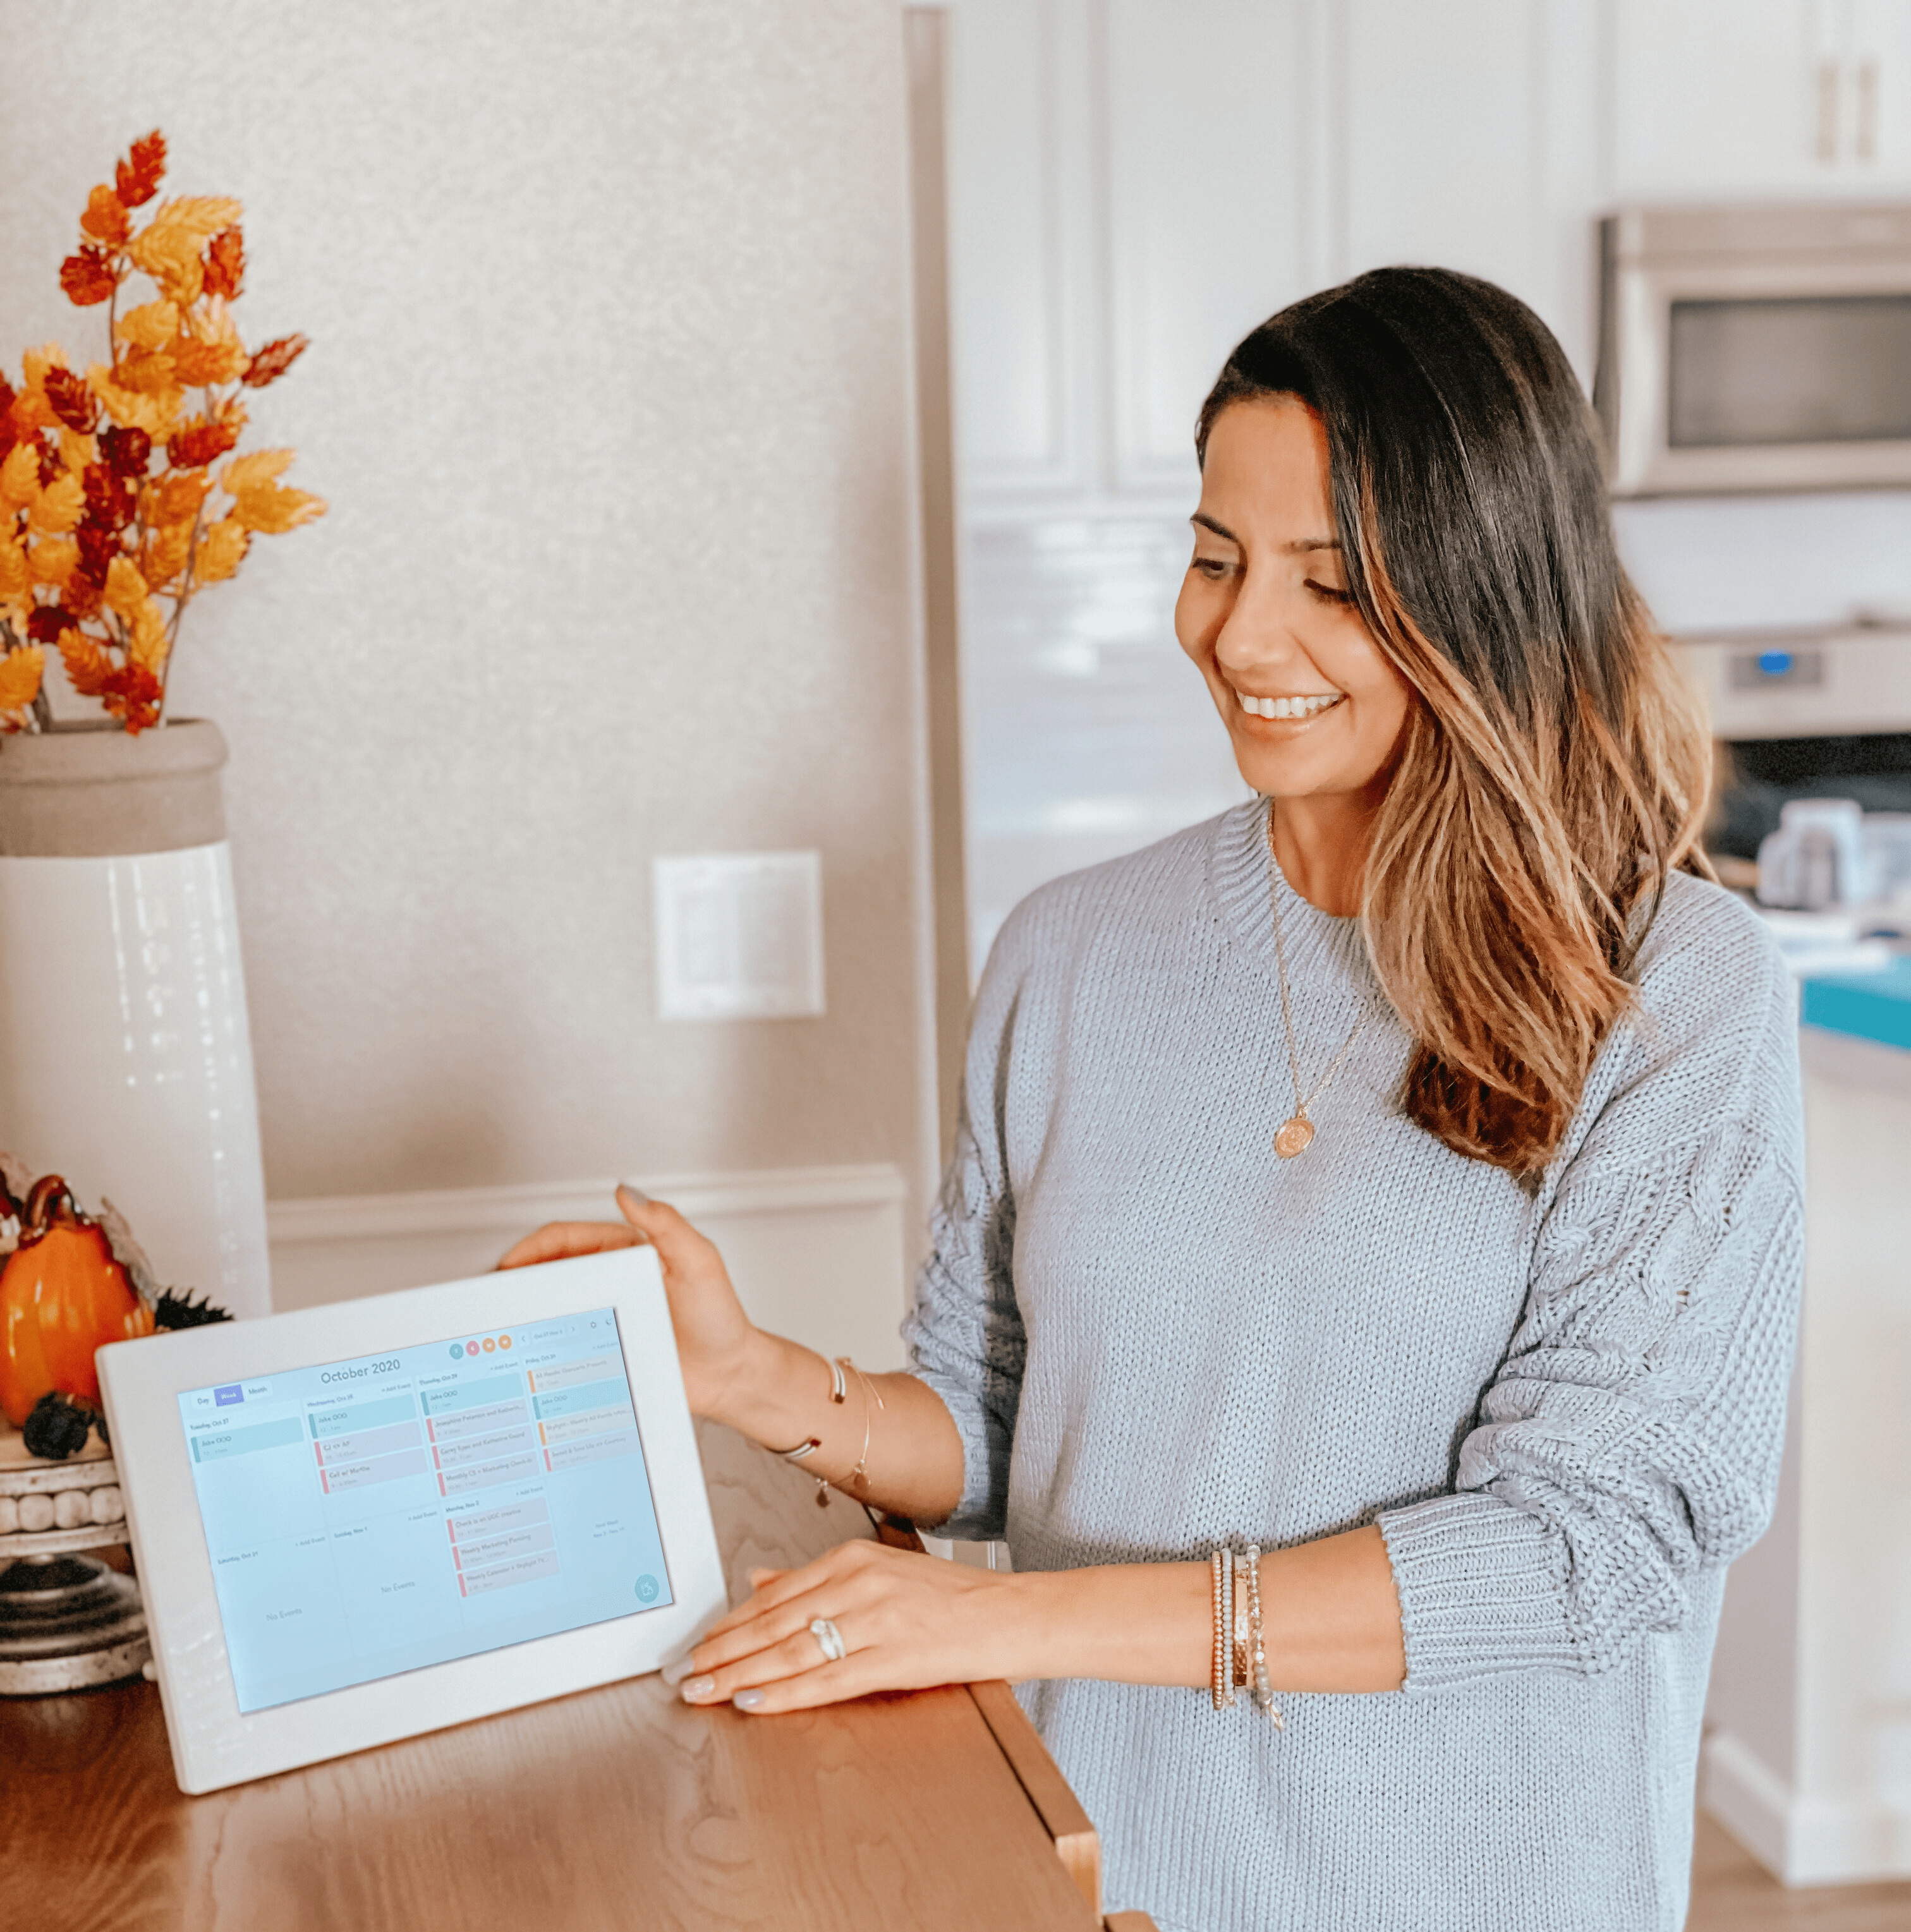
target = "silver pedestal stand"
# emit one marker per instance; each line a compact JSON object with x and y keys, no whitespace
{"x":67,"y":1621}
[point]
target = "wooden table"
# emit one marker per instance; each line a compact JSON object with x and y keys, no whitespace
{"x":620,"y":1807}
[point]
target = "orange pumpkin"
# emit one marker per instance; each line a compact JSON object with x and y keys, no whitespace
{"x":62,"y":1295}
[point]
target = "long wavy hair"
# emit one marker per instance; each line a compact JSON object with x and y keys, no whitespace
{"x":1554,"y":773}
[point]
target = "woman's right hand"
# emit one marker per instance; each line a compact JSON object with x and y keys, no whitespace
{"x":713,"y":1334}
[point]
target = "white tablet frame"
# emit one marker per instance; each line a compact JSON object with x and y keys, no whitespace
{"x":214,"y":1743}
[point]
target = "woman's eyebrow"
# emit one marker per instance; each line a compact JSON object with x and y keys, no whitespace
{"x":1208,"y":522}
{"x":1306,"y":544}
{"x":1300,"y":547}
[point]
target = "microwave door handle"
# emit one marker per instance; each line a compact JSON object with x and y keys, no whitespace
{"x":1827,"y":111}
{"x":1868,"y":109}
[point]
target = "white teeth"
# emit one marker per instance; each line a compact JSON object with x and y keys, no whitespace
{"x":1288,"y":707}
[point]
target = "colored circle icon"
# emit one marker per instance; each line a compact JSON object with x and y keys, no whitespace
{"x":489,"y":1345}
{"x":504,"y":1341}
{"x":470,"y":1347}
{"x":647,"y":1588}
{"x":458,"y":1352}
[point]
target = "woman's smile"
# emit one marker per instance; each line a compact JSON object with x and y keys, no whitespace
{"x":1301,"y":708}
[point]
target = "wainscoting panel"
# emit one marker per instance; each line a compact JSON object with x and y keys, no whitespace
{"x":819,"y":1254}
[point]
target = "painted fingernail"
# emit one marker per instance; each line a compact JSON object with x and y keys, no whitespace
{"x":748,"y":1700}
{"x":674,"y":1673}
{"x":698,"y":1689}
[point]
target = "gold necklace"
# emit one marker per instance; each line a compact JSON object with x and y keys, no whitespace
{"x":1297,"y":1131}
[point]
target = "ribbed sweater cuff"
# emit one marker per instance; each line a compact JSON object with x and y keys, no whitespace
{"x":1482,"y":1591}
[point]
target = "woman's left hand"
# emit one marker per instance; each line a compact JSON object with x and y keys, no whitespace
{"x":906,"y":1621}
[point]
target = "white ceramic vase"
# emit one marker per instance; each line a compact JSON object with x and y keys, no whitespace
{"x":125,"y":1059}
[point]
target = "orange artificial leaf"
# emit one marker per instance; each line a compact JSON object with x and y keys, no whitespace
{"x":78,"y":451}
{"x":105,"y":219}
{"x":155,"y":414}
{"x":148,"y":645}
{"x":57,"y":508}
{"x":256,"y":466}
{"x":165,"y":554}
{"x":19,"y":476}
{"x":87,"y":277}
{"x":198,"y":363}
{"x":225,"y":263}
{"x":80,"y":599}
{"x":176,"y":499}
{"x":222,"y":548}
{"x":152,"y":325}
{"x":271,"y":511}
{"x":167,"y":248}
{"x":86,"y":662}
{"x":52,"y":560}
{"x":200,"y":442}
{"x":70,"y":400}
{"x":16,"y":578}
{"x":272,"y":361}
{"x":125,"y":589}
{"x":137,"y":179}
{"x":20,"y":673}
{"x":148,"y":371}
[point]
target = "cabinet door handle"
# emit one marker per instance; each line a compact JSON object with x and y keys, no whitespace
{"x":1828,"y":110}
{"x":1867,"y":110}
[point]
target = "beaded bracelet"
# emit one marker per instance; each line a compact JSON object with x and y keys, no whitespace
{"x":1261,"y":1690}
{"x":1244,"y":1662}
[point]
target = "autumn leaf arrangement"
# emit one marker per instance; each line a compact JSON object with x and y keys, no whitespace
{"x":121,"y":494}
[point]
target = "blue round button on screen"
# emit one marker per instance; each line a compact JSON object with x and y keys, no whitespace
{"x":1775,"y":664}
{"x":647,"y":1588}
{"x":458,"y":1352}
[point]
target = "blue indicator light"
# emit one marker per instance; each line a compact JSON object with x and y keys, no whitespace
{"x":1775,"y":664}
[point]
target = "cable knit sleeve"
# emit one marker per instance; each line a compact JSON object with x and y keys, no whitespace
{"x":965,"y":1335}
{"x":1631,"y":1439}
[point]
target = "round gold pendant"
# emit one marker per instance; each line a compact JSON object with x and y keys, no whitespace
{"x":1295,"y":1137}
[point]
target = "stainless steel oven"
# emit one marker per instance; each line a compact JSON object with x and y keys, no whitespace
{"x":1755,"y":347}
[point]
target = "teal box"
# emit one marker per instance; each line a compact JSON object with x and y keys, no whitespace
{"x":244,"y":1442}
{"x":588,"y":1396}
{"x":1867,"y":1005}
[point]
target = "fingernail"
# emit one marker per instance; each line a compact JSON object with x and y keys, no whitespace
{"x":698,"y":1689}
{"x":748,"y":1700}
{"x":636,"y":1194}
{"x":674,"y":1673}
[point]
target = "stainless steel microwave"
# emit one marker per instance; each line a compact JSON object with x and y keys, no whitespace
{"x":1749,"y":347}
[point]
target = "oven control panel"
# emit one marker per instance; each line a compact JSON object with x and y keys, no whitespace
{"x":1812,"y":685}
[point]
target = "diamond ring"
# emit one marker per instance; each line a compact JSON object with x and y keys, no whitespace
{"x":827,"y":1634}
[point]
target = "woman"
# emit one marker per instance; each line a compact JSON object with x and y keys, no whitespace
{"x":1400,"y":1174}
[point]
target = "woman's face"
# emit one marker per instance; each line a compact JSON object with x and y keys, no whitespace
{"x":1314,"y":707}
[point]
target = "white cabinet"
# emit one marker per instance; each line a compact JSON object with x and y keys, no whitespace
{"x":1743,"y":98}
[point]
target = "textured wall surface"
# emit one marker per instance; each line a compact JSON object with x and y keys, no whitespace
{"x":608,"y":391}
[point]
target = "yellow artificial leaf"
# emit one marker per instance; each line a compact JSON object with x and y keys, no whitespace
{"x":197,"y":218}
{"x":20,"y":672}
{"x":176,"y":498}
{"x":168,"y":250}
{"x":19,"y":476}
{"x":164,"y":556}
{"x":271,"y":511}
{"x":15,"y":576}
{"x":147,"y":371}
{"x":37,"y":361}
{"x":155,"y":414}
{"x":152,"y":325}
{"x":125,"y":589}
{"x":261,"y":465}
{"x":78,"y":451}
{"x":149,"y":644}
{"x":222,"y":548}
{"x":57,"y":507}
{"x":53,"y":560}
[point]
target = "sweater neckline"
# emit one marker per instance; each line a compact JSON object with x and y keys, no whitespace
{"x":1247,"y":882}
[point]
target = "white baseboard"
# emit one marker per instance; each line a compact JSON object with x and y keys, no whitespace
{"x":817,"y":1253}
{"x":1803,"y":1841}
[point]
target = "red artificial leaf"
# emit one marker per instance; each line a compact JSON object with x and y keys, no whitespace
{"x":205,"y":442}
{"x":272,"y":361}
{"x":49,"y":464}
{"x":105,"y":220}
{"x":225,"y":263}
{"x":111,"y":501}
{"x":47,"y":621}
{"x":71,"y":400}
{"x":82,"y":595}
{"x":137,"y":179}
{"x":9,"y":436}
{"x":125,"y":452}
{"x":134,"y":694}
{"x":98,"y":547}
{"x":88,"y":277}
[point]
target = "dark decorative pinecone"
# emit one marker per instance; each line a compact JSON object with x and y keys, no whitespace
{"x":58,"y":1426}
{"x":181,"y":1311}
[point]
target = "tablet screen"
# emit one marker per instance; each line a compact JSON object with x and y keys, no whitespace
{"x":369,"y":1517}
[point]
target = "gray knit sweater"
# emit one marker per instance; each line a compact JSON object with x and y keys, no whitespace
{"x":1564,"y":1409}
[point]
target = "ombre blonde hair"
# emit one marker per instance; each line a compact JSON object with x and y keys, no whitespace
{"x":1554,"y":773}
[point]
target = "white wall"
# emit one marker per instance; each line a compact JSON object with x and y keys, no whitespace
{"x":609,"y":393}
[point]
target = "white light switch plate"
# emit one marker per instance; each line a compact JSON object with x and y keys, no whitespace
{"x":738,"y":935}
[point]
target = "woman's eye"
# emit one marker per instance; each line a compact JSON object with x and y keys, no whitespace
{"x":1212,"y":568}
{"x":1328,"y":591}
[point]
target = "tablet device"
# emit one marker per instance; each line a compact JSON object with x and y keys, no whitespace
{"x":358,"y":1522}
